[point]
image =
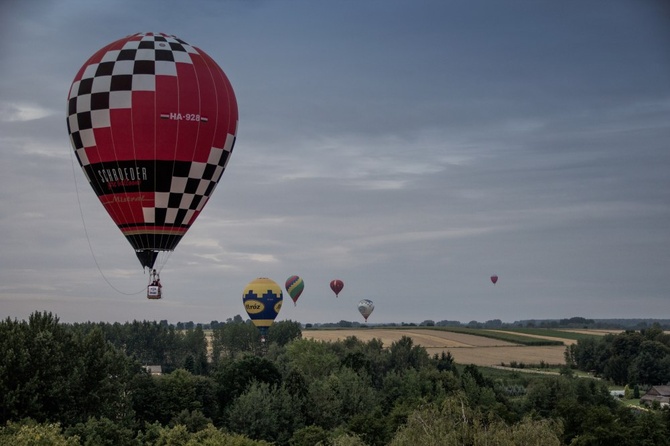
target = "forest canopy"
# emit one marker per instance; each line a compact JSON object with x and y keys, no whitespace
{"x":85,"y":384}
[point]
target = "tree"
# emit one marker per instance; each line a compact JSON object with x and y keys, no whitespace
{"x":353,"y":392}
{"x":193,"y":421}
{"x":176,"y":392}
{"x":211,"y":436}
{"x":314,"y":359}
{"x":195,"y":351}
{"x":456,"y":423}
{"x":651,"y":365}
{"x":493,"y":323}
{"x":51,"y":372}
{"x":264,"y":412}
{"x":627,"y":392}
{"x":585,"y":354}
{"x":15,"y":397}
{"x":233,"y":339}
{"x":415,"y":386}
{"x":345,"y":439}
{"x":600,"y":426}
{"x":103,"y":432}
{"x":102,"y":374}
{"x":33,"y":434}
{"x":46,"y":375}
{"x":445,"y":362}
{"x":616,"y":369}
{"x":309,"y":436}
{"x":404,"y":354}
{"x":283,"y":332}
{"x":653,"y":333}
{"x":543,"y":395}
{"x":235,"y":376}
{"x":650,"y":430}
{"x":371,"y":427}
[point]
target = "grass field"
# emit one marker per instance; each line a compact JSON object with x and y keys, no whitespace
{"x":466,"y":348}
{"x":566,"y":335}
{"x":508,"y":335}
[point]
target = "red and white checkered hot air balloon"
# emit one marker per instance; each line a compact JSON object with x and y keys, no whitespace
{"x":153,"y":122}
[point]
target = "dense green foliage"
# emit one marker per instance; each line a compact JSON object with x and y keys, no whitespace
{"x":85,"y":384}
{"x":631,"y":357}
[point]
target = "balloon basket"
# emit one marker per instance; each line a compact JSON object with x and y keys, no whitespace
{"x":153,"y":292}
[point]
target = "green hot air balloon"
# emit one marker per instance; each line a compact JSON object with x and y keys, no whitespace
{"x":294,"y":286}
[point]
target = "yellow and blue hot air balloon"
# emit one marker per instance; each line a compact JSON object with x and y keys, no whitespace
{"x":262,"y":299}
{"x":294,"y":286}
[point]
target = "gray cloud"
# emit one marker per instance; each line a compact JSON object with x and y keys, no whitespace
{"x":410,"y":150}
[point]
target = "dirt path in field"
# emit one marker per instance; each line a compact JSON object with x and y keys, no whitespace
{"x":465,"y":348}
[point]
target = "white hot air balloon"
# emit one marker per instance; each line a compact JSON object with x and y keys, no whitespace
{"x":365,"y":307}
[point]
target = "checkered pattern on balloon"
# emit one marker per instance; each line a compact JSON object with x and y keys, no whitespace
{"x":152,"y":121}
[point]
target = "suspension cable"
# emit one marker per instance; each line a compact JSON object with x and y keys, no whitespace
{"x":90,"y":246}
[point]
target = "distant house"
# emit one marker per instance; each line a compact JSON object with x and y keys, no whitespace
{"x":657,"y":393}
{"x":154,"y":370}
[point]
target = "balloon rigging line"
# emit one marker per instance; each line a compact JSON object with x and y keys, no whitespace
{"x":90,"y":246}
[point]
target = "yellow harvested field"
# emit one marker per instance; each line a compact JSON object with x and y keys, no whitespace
{"x":465,"y":348}
{"x":424,"y":338}
{"x":489,"y":356}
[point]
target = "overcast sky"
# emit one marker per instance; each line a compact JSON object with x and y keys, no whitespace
{"x":410,"y":148}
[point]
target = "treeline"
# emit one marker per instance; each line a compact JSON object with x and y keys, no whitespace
{"x":576,"y":322}
{"x":632,"y":357}
{"x":85,"y":384}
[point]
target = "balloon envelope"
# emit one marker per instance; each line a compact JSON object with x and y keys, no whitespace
{"x":336,"y":285}
{"x":262,"y":299}
{"x":494,"y":279}
{"x":152,"y":121}
{"x":365,"y":307}
{"x":294,"y":286}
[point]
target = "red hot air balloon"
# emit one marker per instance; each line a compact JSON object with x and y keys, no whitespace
{"x":153,"y":122}
{"x":494,"y":279}
{"x":336,"y":285}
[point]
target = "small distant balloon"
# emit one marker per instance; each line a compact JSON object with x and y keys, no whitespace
{"x":262,"y":299}
{"x":365,"y":307}
{"x":294,"y":286}
{"x":494,"y":279}
{"x":336,"y":285}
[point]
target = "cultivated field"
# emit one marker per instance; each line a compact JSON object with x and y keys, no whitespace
{"x":594,"y":331}
{"x":465,"y":348}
